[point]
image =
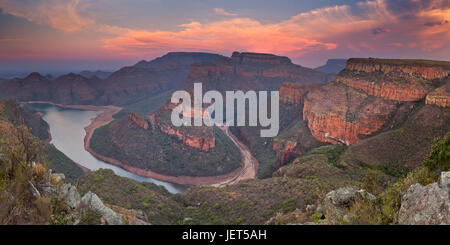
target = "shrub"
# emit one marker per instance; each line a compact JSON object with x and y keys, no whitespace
{"x":439,"y":158}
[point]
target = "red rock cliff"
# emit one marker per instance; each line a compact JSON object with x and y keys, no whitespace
{"x":339,"y":114}
{"x":202,"y":143}
{"x":139,"y":121}
{"x":399,"y":80}
{"x":440,"y":96}
{"x":293,"y":93}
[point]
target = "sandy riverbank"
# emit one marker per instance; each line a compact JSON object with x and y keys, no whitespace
{"x":230,"y":178}
{"x":246,"y":171}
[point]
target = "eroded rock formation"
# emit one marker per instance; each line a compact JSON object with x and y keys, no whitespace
{"x":365,"y":94}
{"x":440,"y":96}
{"x":293,"y":93}
{"x":339,"y":114}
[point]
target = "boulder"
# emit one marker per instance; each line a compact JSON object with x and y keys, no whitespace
{"x":70,"y":194}
{"x":425,"y":205}
{"x":93,"y":202}
{"x":337,"y":203}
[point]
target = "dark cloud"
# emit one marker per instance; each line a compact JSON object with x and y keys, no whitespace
{"x":409,"y":7}
{"x":436,"y":23}
{"x":380,"y":30}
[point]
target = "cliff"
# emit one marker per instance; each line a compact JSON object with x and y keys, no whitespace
{"x":363,"y":96}
{"x":138,"y":120}
{"x":245,"y":71}
{"x":293,"y":93}
{"x":399,"y":80}
{"x":440,"y":96}
{"x":339,"y":114}
{"x":202,"y":143}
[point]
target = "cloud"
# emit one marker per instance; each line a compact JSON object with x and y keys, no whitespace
{"x":380,"y":30}
{"x":223,"y":12}
{"x":416,"y":28}
{"x":59,"y":14}
{"x":434,"y":23}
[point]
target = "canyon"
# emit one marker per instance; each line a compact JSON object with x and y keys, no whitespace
{"x":363,"y":96}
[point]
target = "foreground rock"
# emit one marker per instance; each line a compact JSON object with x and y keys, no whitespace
{"x":426,"y":205}
{"x":337,"y":203}
{"x":91,"y":201}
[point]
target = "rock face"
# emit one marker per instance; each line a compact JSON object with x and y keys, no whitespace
{"x":70,"y":194}
{"x":91,"y":201}
{"x":250,"y":71}
{"x":426,"y":69}
{"x":363,"y":96}
{"x":339,"y":114}
{"x":336,"y":203}
{"x":293,"y":93}
{"x":138,"y":120}
{"x":202,"y":143}
{"x":399,"y":80}
{"x":425,"y":205}
{"x":285,"y":150}
{"x":440,"y":96}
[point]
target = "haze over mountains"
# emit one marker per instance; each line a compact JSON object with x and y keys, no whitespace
{"x":122,"y":86}
{"x":374,"y":117}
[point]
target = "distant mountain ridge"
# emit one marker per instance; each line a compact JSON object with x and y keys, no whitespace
{"x":125,"y":85}
{"x":98,"y":73}
{"x":333,"y":66}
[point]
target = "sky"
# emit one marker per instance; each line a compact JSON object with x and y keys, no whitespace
{"x":107,"y":34}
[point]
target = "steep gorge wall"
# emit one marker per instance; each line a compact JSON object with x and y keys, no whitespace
{"x":366,"y":93}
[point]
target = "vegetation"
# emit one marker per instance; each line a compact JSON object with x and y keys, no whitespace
{"x":19,"y":174}
{"x":384,"y":210}
{"x":146,"y":105}
{"x":163,"y":153}
{"x":439,"y":158}
{"x":154,"y":200}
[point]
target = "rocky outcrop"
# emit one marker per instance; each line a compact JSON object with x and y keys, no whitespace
{"x":363,"y":96}
{"x":426,"y":69}
{"x":138,"y":120}
{"x":286,"y":150}
{"x":202,"y":143}
{"x":70,"y":194}
{"x":387,"y":90}
{"x":130,"y":216}
{"x":337,"y":203}
{"x":426,"y":205}
{"x":399,"y":80}
{"x":339,"y":114}
{"x":93,"y":202}
{"x":293,"y":93}
{"x":245,"y":71}
{"x":440,"y":96}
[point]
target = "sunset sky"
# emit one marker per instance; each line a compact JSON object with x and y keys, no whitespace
{"x":107,"y":34}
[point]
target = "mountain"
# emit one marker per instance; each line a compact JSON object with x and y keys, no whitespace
{"x":98,"y":73}
{"x":202,"y":145}
{"x":13,"y":115}
{"x":333,"y":66}
{"x":250,"y":71}
{"x":148,"y":78}
{"x":378,"y":108}
{"x":126,"y":85}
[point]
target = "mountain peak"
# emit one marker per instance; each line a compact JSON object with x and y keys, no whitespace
{"x":261,"y":58}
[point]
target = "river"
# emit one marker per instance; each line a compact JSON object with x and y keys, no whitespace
{"x":67,"y":130}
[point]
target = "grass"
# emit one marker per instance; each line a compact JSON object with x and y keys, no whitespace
{"x":146,"y":105}
{"x":163,"y":153}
